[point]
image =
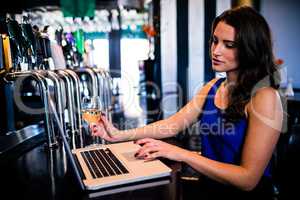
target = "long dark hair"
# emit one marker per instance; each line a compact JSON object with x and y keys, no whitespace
{"x":254,"y":54}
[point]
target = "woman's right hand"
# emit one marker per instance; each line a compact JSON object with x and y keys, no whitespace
{"x":105,"y":129}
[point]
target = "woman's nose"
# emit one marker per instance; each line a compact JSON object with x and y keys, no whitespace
{"x":217,"y":49}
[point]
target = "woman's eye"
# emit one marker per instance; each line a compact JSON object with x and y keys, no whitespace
{"x":230,"y":45}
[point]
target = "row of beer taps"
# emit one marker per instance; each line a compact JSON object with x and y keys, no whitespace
{"x":64,"y":87}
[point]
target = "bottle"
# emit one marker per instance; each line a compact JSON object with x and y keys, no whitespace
{"x":289,"y":92}
{"x":7,"y":53}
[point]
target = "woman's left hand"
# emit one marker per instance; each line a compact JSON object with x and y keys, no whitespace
{"x":152,"y":149}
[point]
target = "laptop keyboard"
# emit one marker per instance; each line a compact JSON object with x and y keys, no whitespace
{"x":103,"y":163}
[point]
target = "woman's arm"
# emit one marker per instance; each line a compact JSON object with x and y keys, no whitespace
{"x":163,"y":128}
{"x":264,"y":126}
{"x":265,"y":120}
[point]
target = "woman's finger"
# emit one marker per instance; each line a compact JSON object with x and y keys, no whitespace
{"x":152,"y":156}
{"x":149,"y":144}
{"x":98,"y":130}
{"x":144,"y":141}
{"x":93,"y":127}
{"x":145,"y":151}
{"x":105,"y":121}
{"x":103,"y":118}
{"x":108,"y":125}
{"x":142,"y":149}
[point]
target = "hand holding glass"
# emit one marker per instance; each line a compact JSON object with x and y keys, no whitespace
{"x":91,"y":113}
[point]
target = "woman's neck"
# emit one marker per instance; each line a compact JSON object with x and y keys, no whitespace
{"x":231,"y":77}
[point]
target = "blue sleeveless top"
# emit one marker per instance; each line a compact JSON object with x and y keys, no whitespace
{"x":221,"y":141}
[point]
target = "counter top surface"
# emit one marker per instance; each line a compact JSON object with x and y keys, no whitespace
{"x":41,"y":173}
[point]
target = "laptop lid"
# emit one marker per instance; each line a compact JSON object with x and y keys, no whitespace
{"x":66,"y":145}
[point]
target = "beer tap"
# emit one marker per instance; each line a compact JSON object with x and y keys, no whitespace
{"x":17,"y":78}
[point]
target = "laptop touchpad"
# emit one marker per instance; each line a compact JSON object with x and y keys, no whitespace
{"x":130,"y":156}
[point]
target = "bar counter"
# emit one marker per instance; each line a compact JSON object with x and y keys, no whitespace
{"x":40,"y":173}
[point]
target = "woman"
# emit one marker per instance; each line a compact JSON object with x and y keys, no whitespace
{"x":240,"y":116}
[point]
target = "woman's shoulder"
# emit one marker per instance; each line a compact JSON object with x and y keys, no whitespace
{"x":265,"y":94}
{"x":264,"y":100}
{"x":206,"y":87}
{"x":201,"y":94}
{"x":211,"y":83}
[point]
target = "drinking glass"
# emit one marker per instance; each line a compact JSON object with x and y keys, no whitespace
{"x":91,"y":113}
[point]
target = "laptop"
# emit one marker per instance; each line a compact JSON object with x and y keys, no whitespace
{"x":112,"y":166}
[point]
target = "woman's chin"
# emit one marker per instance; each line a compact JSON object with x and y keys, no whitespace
{"x":217,"y":68}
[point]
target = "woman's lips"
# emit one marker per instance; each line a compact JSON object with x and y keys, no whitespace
{"x":217,"y":62}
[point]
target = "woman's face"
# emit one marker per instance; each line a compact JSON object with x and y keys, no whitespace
{"x":223,"y":48}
